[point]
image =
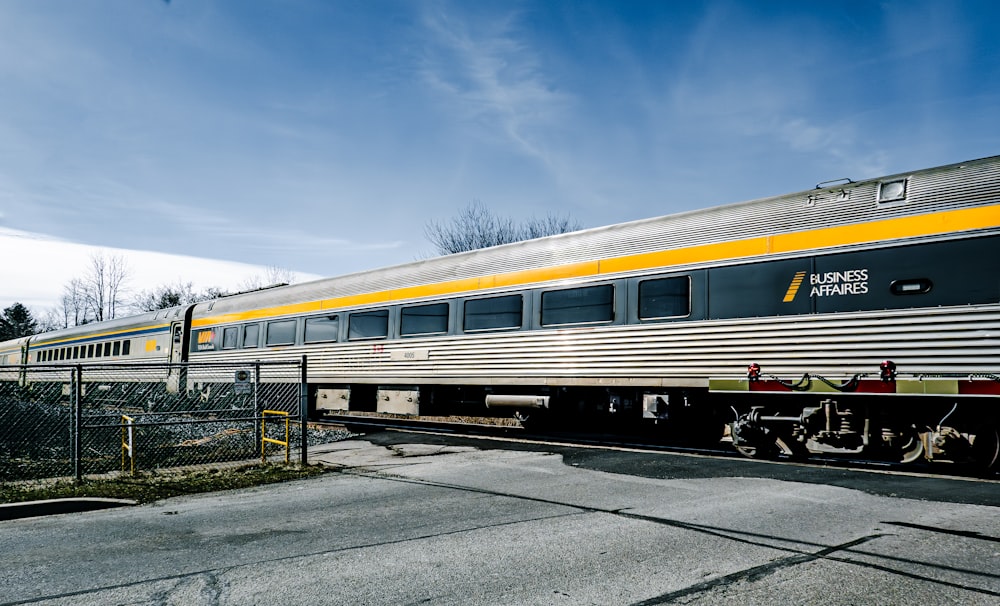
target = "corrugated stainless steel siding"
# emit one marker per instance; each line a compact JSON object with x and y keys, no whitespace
{"x":947,"y":340}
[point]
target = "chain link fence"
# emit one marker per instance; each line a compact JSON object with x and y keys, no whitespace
{"x":87,"y":420}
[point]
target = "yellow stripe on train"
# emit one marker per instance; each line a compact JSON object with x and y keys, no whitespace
{"x":813,"y":239}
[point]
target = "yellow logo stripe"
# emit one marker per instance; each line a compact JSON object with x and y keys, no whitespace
{"x":793,"y":288}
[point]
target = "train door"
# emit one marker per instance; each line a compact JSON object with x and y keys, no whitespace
{"x":22,"y":378}
{"x":179,"y":341}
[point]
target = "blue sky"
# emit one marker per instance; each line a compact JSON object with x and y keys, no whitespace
{"x":321,"y":136}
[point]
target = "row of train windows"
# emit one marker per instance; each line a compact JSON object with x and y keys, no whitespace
{"x":657,"y":299}
{"x":83,"y":352}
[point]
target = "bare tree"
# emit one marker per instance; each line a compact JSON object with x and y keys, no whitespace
{"x":172,"y":295}
{"x":95,"y":296}
{"x":272,"y":276}
{"x":75,"y":306}
{"x":478,"y":227}
{"x":549,"y":225}
{"x":164,"y":296}
{"x":104,"y":285}
{"x":52,"y":318}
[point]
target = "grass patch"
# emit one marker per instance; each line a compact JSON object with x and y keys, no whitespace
{"x":150,"y":487}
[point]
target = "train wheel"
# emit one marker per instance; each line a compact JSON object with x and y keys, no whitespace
{"x":899,"y":445}
{"x":536,"y":420}
{"x":757,"y":451}
{"x":986,"y":447}
{"x":912,"y":448}
{"x":792,"y":448}
{"x":753,"y":441}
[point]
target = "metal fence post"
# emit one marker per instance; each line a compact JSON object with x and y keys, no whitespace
{"x":76,"y":396}
{"x":304,"y":410}
{"x":258,"y":410}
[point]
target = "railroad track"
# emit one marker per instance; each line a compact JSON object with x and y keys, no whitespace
{"x":639,"y":443}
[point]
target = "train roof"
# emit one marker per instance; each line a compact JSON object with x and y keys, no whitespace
{"x":13,"y":346}
{"x":110,"y":328}
{"x":954,"y":186}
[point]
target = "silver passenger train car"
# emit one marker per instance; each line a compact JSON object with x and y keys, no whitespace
{"x":858,"y":317}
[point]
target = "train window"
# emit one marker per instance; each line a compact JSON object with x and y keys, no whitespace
{"x":62,"y":353}
{"x":368,"y":325}
{"x":107,"y":349}
{"x":229,"y":336}
{"x":918,"y":286}
{"x":322,"y":328}
{"x":126,"y":347}
{"x":90,"y":350}
{"x":116,"y":348}
{"x":281,"y":332}
{"x":424,"y":319}
{"x":494,"y":313}
{"x":76,"y":352}
{"x":664,"y":298}
{"x":587,"y":305}
{"x":892,"y":191}
{"x":251,"y":335}
{"x":204,"y":339}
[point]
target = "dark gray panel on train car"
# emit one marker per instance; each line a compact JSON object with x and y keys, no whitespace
{"x":759,"y":289}
{"x":961,"y":272}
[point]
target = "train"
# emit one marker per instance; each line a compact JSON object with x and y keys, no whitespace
{"x":857,"y":317}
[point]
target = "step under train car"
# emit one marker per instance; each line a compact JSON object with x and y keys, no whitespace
{"x":858,"y":317}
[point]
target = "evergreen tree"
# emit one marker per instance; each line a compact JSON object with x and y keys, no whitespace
{"x":17,"y":321}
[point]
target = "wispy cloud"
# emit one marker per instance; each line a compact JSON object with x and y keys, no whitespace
{"x":492,"y":76}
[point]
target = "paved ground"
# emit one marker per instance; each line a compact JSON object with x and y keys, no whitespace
{"x":422,"y":520}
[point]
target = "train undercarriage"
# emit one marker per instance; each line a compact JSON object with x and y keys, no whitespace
{"x":888,"y":418}
{"x":960,"y":433}
{"x":942,"y":418}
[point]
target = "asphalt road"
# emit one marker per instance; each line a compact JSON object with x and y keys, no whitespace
{"x":428,"y":520}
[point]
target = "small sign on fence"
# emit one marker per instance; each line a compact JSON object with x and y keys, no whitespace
{"x":241,"y":382}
